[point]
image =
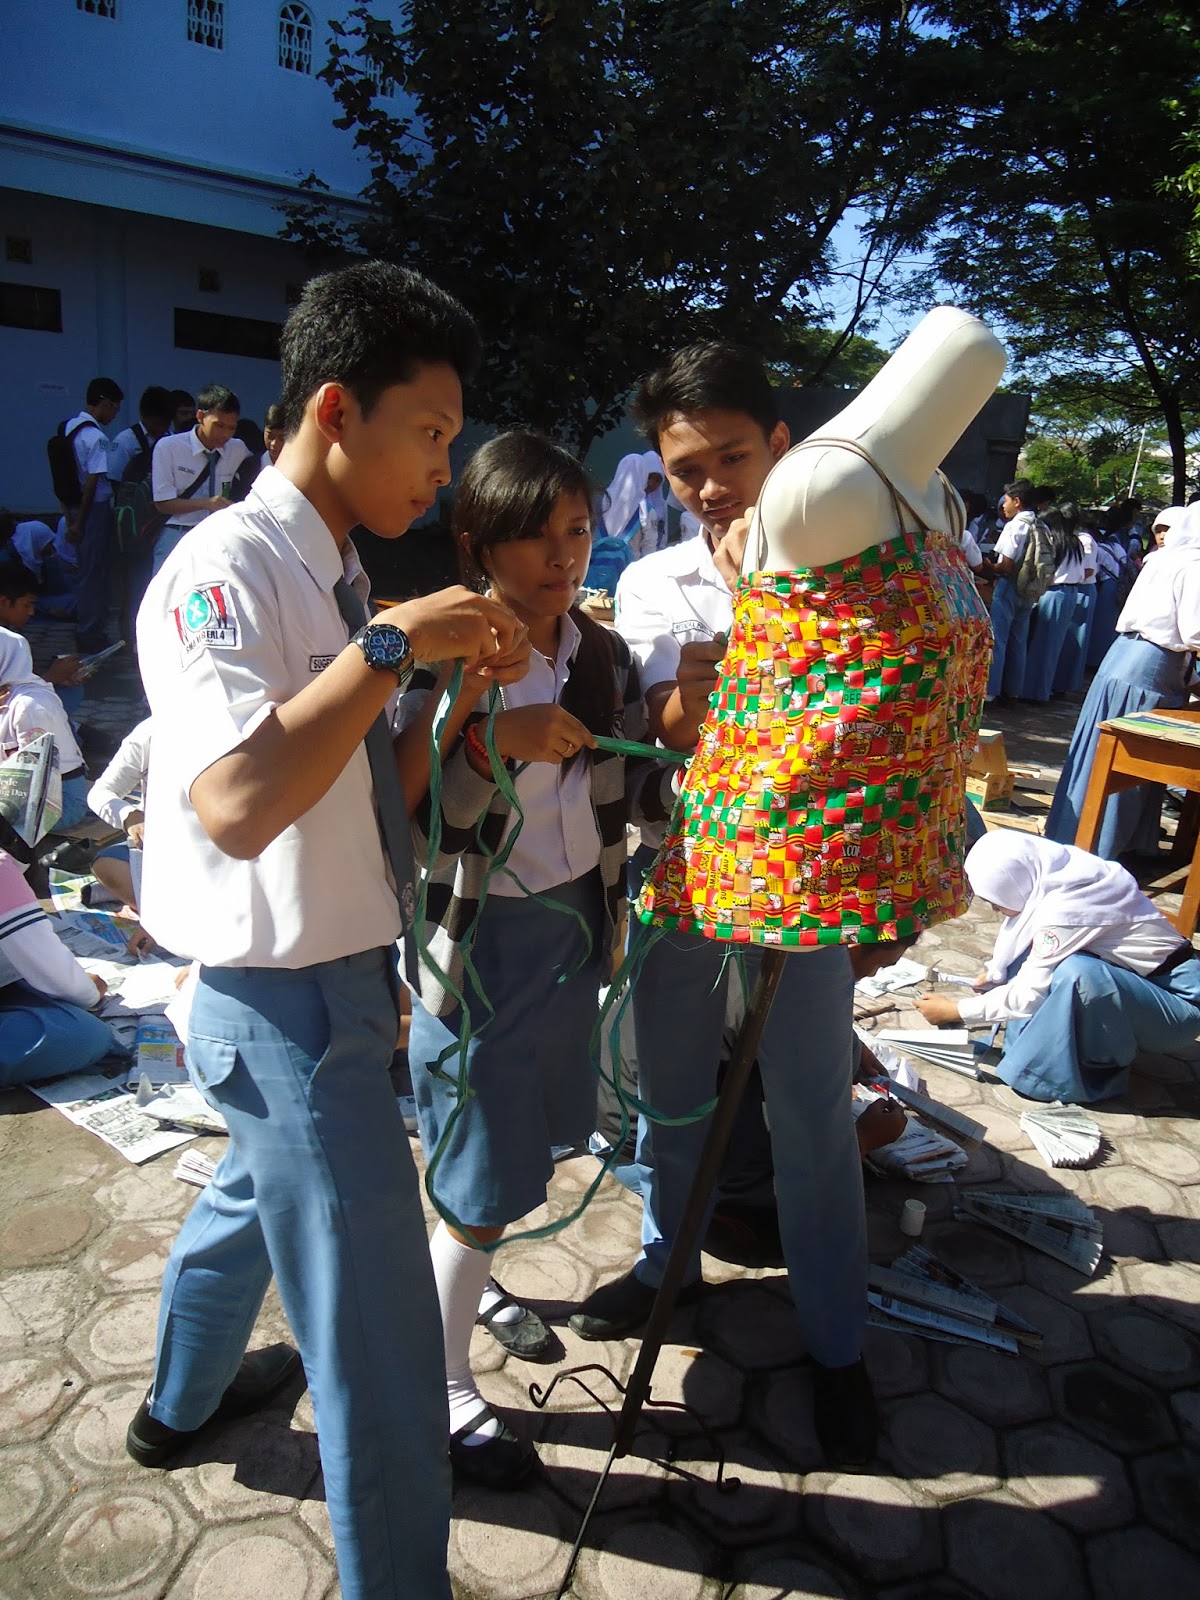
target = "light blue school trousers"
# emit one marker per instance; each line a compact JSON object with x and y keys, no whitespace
{"x":318,"y":1185}
{"x":805,"y":1062}
{"x":1010,"y":635}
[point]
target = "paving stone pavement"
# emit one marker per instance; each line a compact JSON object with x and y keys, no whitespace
{"x":1069,"y":1472}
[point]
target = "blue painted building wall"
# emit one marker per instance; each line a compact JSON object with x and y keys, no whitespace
{"x":131,"y":160}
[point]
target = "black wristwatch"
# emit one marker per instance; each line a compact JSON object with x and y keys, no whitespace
{"x":386,"y":649}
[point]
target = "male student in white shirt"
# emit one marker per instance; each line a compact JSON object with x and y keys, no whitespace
{"x":710,"y":413}
{"x":89,"y":523}
{"x":191,"y":472}
{"x":273,"y":780}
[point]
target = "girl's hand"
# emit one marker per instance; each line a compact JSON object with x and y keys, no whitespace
{"x":938,"y":1009}
{"x":540,"y":733}
{"x":101,"y":986}
{"x":981,"y":980}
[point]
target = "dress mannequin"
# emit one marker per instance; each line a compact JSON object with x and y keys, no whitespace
{"x":825,"y":803}
{"x":822,"y":505}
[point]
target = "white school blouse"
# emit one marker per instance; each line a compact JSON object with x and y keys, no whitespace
{"x":1164,"y":603}
{"x":1141,"y":946}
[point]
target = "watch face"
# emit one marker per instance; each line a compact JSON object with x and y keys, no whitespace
{"x":385,"y":646}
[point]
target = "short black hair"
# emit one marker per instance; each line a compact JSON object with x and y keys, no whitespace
{"x":716,"y":376}
{"x":1021,"y":489}
{"x":274,"y":417}
{"x":157,"y":403}
{"x":216,"y":397}
{"x":180,"y":397}
{"x":16,"y":581}
{"x":508,"y":490}
{"x":368,"y":327}
{"x":104,"y":389}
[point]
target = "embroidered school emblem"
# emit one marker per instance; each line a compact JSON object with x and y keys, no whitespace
{"x":207,"y":621}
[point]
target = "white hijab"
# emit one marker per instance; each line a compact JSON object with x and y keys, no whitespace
{"x":1184,"y":530}
{"x":33,"y":706}
{"x":627,"y":493}
{"x":1048,"y":885}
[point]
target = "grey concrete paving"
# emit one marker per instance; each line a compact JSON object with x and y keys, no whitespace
{"x":1064,"y":1473}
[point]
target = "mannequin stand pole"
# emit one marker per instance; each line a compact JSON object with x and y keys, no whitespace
{"x":716,"y":1142}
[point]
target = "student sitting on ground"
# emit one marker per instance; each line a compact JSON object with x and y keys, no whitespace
{"x":1086,"y":972}
{"x":30,"y":708}
{"x":118,"y":797}
{"x":45,"y":995}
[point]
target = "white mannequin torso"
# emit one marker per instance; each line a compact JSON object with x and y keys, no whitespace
{"x":825,"y":503}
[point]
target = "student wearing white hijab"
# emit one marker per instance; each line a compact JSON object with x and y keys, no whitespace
{"x":1086,"y":972}
{"x":31,"y":707}
{"x":1149,"y":665}
{"x":636,"y":509}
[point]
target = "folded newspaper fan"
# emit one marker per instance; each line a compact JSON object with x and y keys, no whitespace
{"x":1065,"y":1136}
{"x":1059,"y":1225}
{"x":922,"y":1295}
{"x":940,"y":1047}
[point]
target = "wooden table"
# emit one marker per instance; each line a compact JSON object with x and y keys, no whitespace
{"x":1125,"y":758}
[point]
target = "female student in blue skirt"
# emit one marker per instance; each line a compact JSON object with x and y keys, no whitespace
{"x":1072,"y":659}
{"x":1053,"y":614}
{"x":1085,"y":972}
{"x":523,"y":519}
{"x":1149,"y":665}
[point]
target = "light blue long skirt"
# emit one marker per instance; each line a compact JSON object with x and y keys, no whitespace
{"x":1134,"y":676}
{"x":1080,"y":1042}
{"x":1104,"y":620}
{"x":1072,"y":658}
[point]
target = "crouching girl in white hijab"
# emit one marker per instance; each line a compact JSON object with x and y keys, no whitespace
{"x":1085,"y":973}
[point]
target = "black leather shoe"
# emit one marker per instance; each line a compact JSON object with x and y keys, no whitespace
{"x":502,"y":1462}
{"x":261,"y":1375}
{"x":844,"y":1414}
{"x":617,"y":1308}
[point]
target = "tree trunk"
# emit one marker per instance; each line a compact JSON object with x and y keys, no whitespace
{"x":1177,"y":439}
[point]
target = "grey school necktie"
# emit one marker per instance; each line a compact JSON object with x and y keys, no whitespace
{"x":213,"y":457}
{"x":389,"y":795}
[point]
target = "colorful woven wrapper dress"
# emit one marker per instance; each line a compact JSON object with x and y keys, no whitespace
{"x":825,"y":803}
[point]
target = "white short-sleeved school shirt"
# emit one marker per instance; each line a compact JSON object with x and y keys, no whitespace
{"x":1015,"y":536}
{"x":176,"y":463}
{"x":90,"y":445}
{"x":1164,"y":603}
{"x":671,"y":598}
{"x":242,"y":617}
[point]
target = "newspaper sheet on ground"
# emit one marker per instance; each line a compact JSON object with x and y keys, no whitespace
{"x":107,"y":1109}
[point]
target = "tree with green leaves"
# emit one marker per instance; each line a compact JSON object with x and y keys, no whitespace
{"x":600,"y":182}
{"x":1092,"y":453}
{"x":1055,"y":220}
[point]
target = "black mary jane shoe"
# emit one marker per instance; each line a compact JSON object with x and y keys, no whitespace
{"x":503,"y":1462}
{"x":527,"y":1336}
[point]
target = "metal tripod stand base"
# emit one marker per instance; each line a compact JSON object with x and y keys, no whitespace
{"x":679,"y":1408}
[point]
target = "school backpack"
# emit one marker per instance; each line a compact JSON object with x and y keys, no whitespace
{"x":1035,"y":572}
{"x":134,"y":517}
{"x":64,"y":469}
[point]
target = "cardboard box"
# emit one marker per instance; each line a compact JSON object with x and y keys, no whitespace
{"x":989,"y":782}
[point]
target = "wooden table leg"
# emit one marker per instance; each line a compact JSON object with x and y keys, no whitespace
{"x":1090,"y":817}
{"x":1186,"y":917}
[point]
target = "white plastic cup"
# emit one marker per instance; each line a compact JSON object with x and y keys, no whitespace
{"x":912,"y":1218}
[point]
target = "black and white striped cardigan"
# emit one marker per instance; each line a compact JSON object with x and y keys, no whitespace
{"x":623,"y":790}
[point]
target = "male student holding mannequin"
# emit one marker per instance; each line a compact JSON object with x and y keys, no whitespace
{"x":275,"y":856}
{"x":710,"y":413}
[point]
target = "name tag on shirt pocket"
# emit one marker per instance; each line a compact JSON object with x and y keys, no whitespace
{"x":319,"y":663}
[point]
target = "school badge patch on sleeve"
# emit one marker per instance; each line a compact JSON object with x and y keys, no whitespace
{"x":207,"y":621}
